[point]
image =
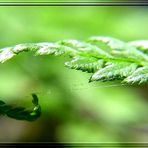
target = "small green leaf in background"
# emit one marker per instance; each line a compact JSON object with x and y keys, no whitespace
{"x":20,"y":113}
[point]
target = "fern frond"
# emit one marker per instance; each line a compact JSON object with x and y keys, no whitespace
{"x":106,"y":57}
{"x":20,"y":113}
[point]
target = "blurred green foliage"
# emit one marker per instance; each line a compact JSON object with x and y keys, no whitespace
{"x":72,"y":109}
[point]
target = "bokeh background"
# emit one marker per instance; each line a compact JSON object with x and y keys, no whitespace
{"x":73,"y":110}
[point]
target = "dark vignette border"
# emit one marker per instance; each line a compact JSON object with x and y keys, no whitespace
{"x":80,"y":3}
{"x":74,"y":145}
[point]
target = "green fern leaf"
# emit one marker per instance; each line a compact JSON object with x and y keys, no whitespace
{"x":114,"y":71}
{"x":20,"y":113}
{"x":139,"y":76}
{"x":141,"y":45}
{"x":89,"y":65}
{"x":106,"y":57}
{"x":109,"y":42}
{"x":6,"y":54}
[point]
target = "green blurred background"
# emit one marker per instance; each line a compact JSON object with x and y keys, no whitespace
{"x":73,"y":110}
